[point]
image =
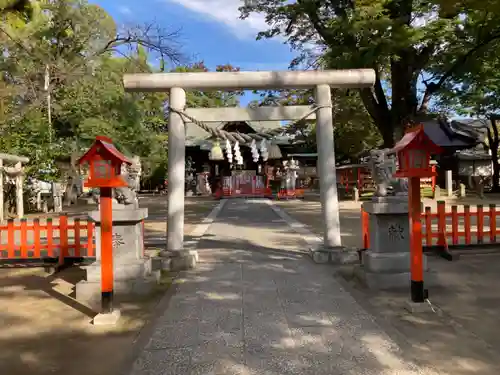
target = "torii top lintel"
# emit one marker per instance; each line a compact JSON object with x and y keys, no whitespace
{"x":354,"y":78}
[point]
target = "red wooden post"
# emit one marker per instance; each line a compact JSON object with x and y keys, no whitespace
{"x":493,"y":223}
{"x":24,"y":239}
{"x":76,"y":232}
{"x":11,"y":244}
{"x":428,"y":226}
{"x":480,"y":223}
{"x":417,"y":268}
{"x":36,"y":239}
{"x":365,"y":228}
{"x":106,"y":206}
{"x":467,"y":231}
{"x":454,"y":225}
{"x":90,"y":239}
{"x":50,"y":238}
{"x":63,"y":238}
{"x":441,"y":211}
{"x":414,"y":152}
{"x":105,"y":163}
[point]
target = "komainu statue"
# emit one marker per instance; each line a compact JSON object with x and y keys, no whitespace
{"x":383,"y":166}
{"x":127,"y":195}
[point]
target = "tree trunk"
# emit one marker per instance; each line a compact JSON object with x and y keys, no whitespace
{"x":387,"y":131}
{"x":496,"y":173}
{"x":494,"y":143}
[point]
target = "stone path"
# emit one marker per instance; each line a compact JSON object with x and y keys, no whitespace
{"x":257,"y":305}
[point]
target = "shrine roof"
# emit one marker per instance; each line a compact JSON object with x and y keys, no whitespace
{"x":107,"y":144}
{"x":472,"y":155}
{"x":455,"y":134}
{"x":418,"y":138}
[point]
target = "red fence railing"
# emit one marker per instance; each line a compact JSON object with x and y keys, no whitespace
{"x":290,"y":193}
{"x":359,"y":176}
{"x":463,"y":225}
{"x":45,"y":241}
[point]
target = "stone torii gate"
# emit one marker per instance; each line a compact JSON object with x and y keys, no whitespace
{"x":321,"y":81}
{"x":17,"y":173}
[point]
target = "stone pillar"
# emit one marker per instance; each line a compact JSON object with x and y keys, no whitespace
{"x":327,"y":172}
{"x":133,"y":273}
{"x":19,"y":192}
{"x":386,"y":264}
{"x":57,"y":196}
{"x":39,"y":200}
{"x":449,"y":182}
{"x":176,"y":171}
{"x":181,"y":258}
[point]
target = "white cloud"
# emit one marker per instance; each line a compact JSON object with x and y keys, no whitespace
{"x":124,"y":10}
{"x":226,"y":11}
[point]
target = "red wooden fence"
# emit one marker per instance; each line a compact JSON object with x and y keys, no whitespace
{"x":460,"y":226}
{"x":293,"y":193}
{"x":50,"y":241}
{"x":360,"y":177}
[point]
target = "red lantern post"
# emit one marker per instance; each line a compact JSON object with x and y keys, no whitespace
{"x":105,"y":163}
{"x":414,"y":152}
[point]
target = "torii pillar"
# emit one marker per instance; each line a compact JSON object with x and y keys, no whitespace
{"x":321,"y":81}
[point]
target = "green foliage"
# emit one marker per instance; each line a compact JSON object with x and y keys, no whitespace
{"x":401,"y":39}
{"x":207,"y":99}
{"x":355,"y":131}
{"x":72,"y":55}
{"x":476,"y":92}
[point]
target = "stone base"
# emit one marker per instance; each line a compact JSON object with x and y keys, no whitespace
{"x":90,"y":292}
{"x":339,"y":255}
{"x":179,"y":260}
{"x":124,"y":269}
{"x":419,"y":308}
{"x":388,"y":262}
{"x":398,"y":198}
{"x":107,"y":319}
{"x":391,"y":281}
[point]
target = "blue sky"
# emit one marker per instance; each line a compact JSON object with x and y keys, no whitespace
{"x":210,"y":31}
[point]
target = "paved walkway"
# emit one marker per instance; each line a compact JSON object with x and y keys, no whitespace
{"x":257,"y":305}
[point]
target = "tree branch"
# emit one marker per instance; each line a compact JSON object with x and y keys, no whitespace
{"x":433,"y":87}
{"x":312,"y":10}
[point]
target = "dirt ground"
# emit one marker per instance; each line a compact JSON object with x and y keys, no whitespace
{"x":460,"y":337}
{"x":46,"y":331}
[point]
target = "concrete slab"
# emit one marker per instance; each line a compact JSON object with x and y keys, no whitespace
{"x":423,"y":307}
{"x":107,"y":319}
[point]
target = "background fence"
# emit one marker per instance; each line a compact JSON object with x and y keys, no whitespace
{"x":461,"y":226}
{"x":47,"y":240}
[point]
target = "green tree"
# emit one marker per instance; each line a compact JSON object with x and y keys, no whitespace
{"x":476,"y":93}
{"x":208,"y":99}
{"x":67,"y":54}
{"x":403,"y":40}
{"x":354,"y":129}
{"x":19,"y":8}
